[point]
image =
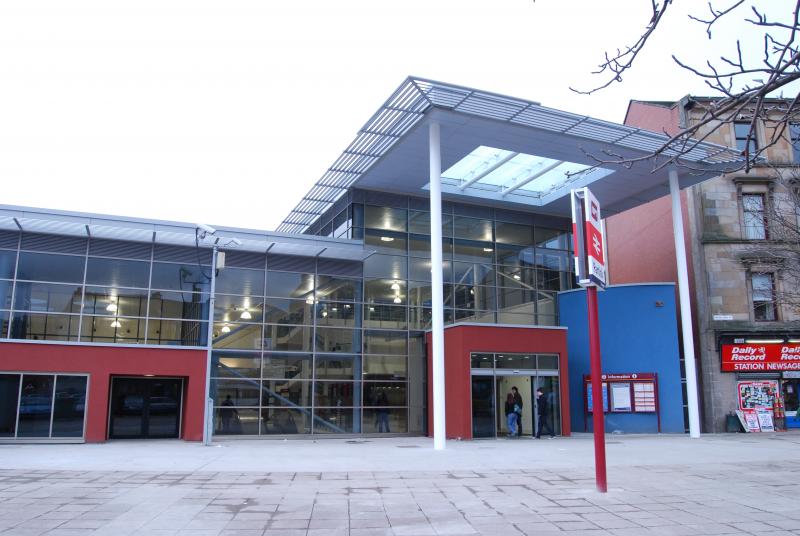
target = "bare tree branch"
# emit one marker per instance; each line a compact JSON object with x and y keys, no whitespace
{"x":745,"y":88}
{"x":622,"y":60}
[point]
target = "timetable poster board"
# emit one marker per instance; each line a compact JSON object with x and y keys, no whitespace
{"x":644,"y":397}
{"x":626,"y":393}
{"x":621,"y":397}
{"x":589,"y":400}
{"x":757,"y":395}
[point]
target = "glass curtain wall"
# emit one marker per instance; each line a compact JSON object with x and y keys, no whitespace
{"x":60,"y":288}
{"x":499,"y":266}
{"x":298,"y":350}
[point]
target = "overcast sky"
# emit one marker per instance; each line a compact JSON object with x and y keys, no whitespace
{"x":228,"y":112}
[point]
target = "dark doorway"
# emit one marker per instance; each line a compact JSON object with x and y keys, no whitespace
{"x":483,"y":418}
{"x":143,"y":408}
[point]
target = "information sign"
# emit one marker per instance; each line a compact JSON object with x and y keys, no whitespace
{"x":588,"y":239}
{"x":634,"y":392}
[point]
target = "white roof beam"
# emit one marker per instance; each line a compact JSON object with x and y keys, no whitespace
{"x":486,"y":171}
{"x":533,"y":177}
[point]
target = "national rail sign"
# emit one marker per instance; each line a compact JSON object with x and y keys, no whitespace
{"x":587,"y":232}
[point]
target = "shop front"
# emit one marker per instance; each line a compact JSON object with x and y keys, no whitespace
{"x":767,"y":373}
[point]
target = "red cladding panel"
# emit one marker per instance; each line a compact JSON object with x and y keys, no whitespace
{"x":103,"y":362}
{"x":461,"y":341}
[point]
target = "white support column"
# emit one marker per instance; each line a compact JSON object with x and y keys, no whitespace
{"x":208,"y":411}
{"x":437,"y":336}
{"x":686,"y":309}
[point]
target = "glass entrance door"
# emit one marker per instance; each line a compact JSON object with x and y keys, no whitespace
{"x":493,"y":378}
{"x":524,"y":385}
{"x":145,"y":408}
{"x":552,"y":399}
{"x":483,"y":406}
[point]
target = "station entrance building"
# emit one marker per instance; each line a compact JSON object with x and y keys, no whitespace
{"x":112,"y":327}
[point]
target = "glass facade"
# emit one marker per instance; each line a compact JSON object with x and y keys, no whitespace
{"x":299,"y":349}
{"x":301,"y":345}
{"x":56,"y":288}
{"x":500,"y":266}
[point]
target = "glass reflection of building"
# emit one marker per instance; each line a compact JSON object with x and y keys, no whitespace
{"x":300,"y":344}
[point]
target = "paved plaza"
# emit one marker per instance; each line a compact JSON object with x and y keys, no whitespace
{"x":658,"y":485}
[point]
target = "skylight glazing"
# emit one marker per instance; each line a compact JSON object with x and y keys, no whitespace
{"x":505,"y":172}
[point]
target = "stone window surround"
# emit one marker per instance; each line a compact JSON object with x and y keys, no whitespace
{"x":758,"y":134}
{"x":754,"y":185}
{"x":754,"y":265}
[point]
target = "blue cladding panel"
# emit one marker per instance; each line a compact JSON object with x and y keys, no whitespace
{"x":635,"y":336}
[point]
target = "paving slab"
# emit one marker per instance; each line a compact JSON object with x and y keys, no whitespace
{"x":658,"y":485}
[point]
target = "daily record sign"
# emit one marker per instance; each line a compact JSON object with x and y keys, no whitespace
{"x":587,"y":232}
{"x":760,"y":357}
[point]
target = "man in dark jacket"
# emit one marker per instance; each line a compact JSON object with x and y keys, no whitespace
{"x":518,"y":402}
{"x":543,"y":410}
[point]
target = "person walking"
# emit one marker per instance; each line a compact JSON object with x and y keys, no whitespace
{"x":518,"y":402}
{"x":228,"y":414}
{"x":542,"y":410}
{"x":383,"y":413}
{"x":511,"y":416}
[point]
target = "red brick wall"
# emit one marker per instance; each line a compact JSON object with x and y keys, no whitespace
{"x":653,"y":117}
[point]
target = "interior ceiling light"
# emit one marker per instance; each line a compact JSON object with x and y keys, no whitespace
{"x":763,"y":341}
{"x":111,"y":307}
{"x":324,"y":313}
{"x":246,"y":315}
{"x":488,"y":250}
{"x":794,"y":341}
{"x":334,"y":309}
{"x":397,"y":299}
{"x":395,"y":286}
{"x":115,"y":323}
{"x":517,"y":277}
{"x":310,"y":300}
{"x":226,"y":329}
{"x":387,"y":239}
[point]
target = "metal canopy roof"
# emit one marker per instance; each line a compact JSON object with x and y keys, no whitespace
{"x":390,"y":153}
{"x":34,"y":220}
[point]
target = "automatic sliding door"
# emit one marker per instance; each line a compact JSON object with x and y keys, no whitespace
{"x":550,"y":389}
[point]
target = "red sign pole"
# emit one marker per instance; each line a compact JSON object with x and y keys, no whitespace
{"x":598,"y":417}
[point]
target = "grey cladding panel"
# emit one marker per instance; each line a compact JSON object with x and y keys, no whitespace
{"x":242,"y":259}
{"x":115,"y":248}
{"x":335,"y":267}
{"x":289,"y":263}
{"x":9,"y":239}
{"x":181,"y":254}
{"x":53,"y":243}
